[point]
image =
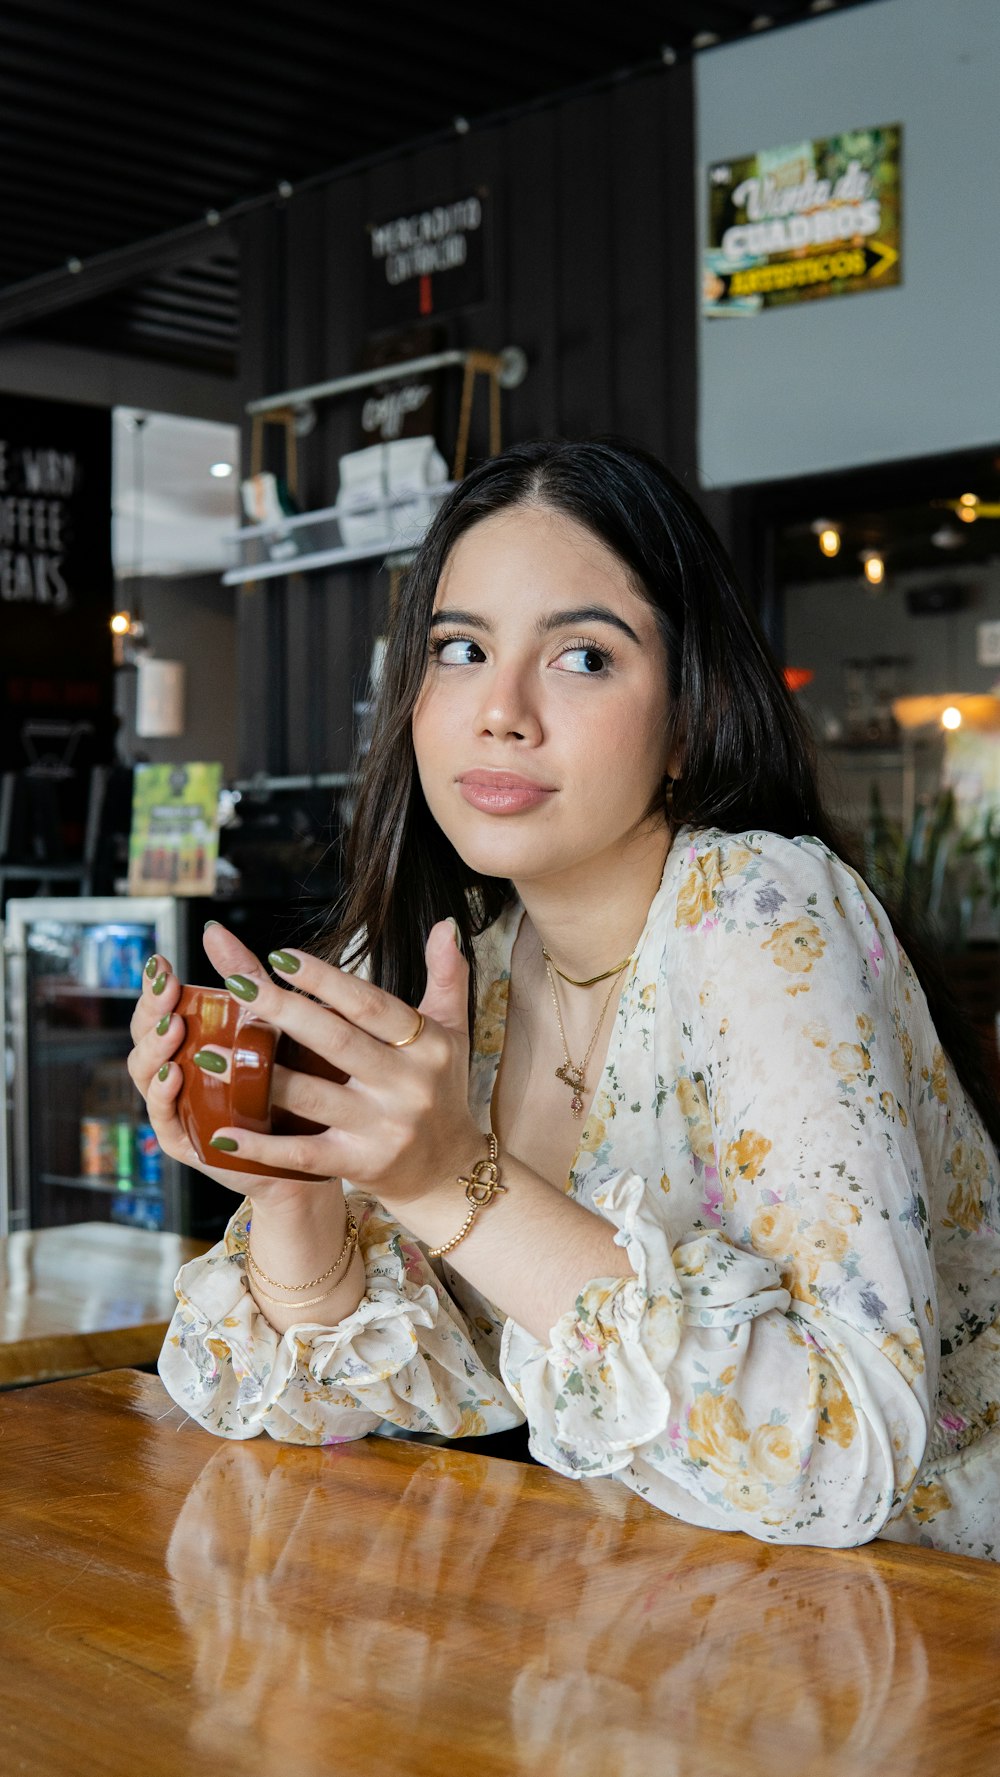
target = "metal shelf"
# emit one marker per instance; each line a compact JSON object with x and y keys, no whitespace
{"x":105,"y":1185}
{"x":322,"y":531}
{"x":51,"y":990}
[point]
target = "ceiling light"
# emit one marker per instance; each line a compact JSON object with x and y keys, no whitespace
{"x":221,"y":470}
{"x":874,"y":569}
{"x":951,"y":717}
{"x":827,"y":535}
{"x":121,"y":623}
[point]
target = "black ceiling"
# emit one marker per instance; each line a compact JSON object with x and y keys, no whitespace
{"x":119,"y":122}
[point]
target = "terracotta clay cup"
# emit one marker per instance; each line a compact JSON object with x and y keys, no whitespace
{"x":240,"y":1097}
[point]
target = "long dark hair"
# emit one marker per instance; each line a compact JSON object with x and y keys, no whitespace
{"x":742,"y":754}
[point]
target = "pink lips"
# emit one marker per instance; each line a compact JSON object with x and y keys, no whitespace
{"x":501,"y":792}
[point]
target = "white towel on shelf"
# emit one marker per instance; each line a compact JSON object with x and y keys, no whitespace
{"x":413,"y":465}
{"x":401,"y":471}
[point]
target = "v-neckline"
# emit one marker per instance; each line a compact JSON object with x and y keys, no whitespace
{"x":513,"y":917}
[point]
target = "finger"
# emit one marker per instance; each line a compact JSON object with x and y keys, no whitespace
{"x":156,"y":1047}
{"x":160,"y":992}
{"x":310,"y":1019}
{"x":367,"y":1007}
{"x":318,"y":1100}
{"x":213,"y":1059}
{"x":446,"y":997}
{"x":321,"y":1156}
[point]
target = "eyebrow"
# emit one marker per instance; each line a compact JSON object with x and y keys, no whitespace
{"x":544,"y":626}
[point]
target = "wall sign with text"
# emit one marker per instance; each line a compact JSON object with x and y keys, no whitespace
{"x":813,"y":220}
{"x":428,"y":263}
{"x":55,"y":583}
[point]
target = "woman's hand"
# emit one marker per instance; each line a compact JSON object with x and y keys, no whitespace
{"x":157,"y":1031}
{"x":400,"y":1124}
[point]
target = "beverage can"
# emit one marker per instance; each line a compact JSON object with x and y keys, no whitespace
{"x":123,"y":1139}
{"x":98,"y":1150}
{"x":149,"y":1156}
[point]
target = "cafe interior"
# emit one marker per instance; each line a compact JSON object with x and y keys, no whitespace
{"x":271,"y":285}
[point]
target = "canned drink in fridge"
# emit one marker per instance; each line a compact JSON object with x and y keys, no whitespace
{"x":124,"y":1154}
{"x":149,"y":1156}
{"x":98,"y":1151}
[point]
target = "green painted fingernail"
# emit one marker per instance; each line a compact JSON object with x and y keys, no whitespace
{"x":241,"y":987}
{"x":159,"y":984}
{"x":162,"y":1072}
{"x":164,"y":1025}
{"x":283,"y":960}
{"x":210,"y":1061}
{"x":152,"y":966}
{"x":225,"y":1142}
{"x":210,"y":922}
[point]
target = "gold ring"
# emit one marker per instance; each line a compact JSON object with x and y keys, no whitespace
{"x":405,"y":1044}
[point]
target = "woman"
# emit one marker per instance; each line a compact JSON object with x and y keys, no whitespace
{"x":709,"y":1201}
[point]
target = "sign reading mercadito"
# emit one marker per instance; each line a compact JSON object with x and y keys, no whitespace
{"x":427,"y":262}
{"x":794,"y":224}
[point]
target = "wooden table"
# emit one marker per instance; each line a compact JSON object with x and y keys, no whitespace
{"x":87,"y":1297}
{"x":174,"y":1604}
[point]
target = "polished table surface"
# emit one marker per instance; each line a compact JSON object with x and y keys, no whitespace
{"x":90,"y":1296}
{"x":173,"y":1603}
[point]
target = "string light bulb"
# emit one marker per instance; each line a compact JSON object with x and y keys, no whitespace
{"x":874,"y":569}
{"x":951,"y":717}
{"x":121,"y":623}
{"x":968,"y":500}
{"x":968,"y":514}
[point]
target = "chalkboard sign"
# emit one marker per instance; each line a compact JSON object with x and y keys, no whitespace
{"x":427,"y":263}
{"x":56,"y":586}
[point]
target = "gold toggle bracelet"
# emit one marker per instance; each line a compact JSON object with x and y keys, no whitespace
{"x":481,"y":1187}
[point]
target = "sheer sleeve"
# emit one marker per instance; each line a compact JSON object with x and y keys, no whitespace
{"x":771,"y":1368}
{"x":406,"y":1355}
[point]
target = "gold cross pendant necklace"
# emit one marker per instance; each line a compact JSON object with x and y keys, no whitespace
{"x":574,"y":1074}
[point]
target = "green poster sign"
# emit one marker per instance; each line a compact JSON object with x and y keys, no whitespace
{"x":175,"y":829}
{"x":795,"y":224}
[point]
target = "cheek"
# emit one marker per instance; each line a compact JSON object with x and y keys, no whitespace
{"x":434,"y":725}
{"x":624,"y":732}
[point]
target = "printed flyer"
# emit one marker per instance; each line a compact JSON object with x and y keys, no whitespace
{"x":175,"y":829}
{"x":796,"y":224}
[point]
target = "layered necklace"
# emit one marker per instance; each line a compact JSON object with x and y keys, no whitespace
{"x":573,"y":1074}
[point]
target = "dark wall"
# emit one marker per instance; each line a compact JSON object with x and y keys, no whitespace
{"x":592,"y":272}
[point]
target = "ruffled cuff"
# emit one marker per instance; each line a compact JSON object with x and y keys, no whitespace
{"x":401,"y":1356}
{"x":600,"y":1392}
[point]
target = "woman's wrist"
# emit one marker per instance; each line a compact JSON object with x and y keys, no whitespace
{"x":305,"y":1264}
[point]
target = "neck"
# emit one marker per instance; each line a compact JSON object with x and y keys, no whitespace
{"x":589,"y":918}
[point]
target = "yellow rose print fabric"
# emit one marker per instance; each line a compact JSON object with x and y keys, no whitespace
{"x":808,"y":1348}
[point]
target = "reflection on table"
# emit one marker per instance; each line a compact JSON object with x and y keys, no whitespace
{"x":89,"y":1296}
{"x":384,"y":1607}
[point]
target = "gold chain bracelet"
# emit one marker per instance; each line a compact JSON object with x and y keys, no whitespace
{"x":350,"y":1242}
{"x":480,"y":1188}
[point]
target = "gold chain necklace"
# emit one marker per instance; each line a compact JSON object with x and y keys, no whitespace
{"x":575,"y":1076}
{"x":594,"y":979}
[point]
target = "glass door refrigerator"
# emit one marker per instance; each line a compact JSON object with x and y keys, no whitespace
{"x":76,"y":1146}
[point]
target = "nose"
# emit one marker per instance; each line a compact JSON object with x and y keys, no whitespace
{"x":506,"y":711}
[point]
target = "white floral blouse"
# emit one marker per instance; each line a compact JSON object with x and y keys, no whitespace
{"x":809,"y":1347}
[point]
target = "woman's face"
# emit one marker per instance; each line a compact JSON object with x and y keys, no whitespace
{"x":539,"y":732}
